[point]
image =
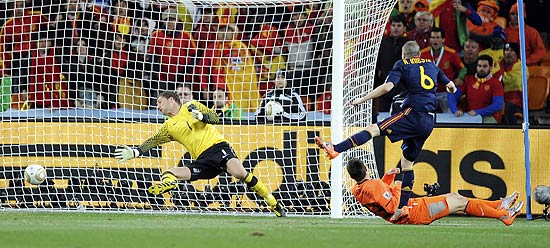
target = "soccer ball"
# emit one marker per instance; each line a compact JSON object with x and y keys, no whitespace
{"x":273,"y":109}
{"x":35,"y":174}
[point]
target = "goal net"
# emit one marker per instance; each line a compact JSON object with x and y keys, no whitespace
{"x":81,"y":78}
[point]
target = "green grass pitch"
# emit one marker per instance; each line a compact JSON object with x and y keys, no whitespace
{"x":46,"y":229}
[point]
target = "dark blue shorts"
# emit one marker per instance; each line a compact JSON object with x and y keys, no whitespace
{"x":410,"y":126}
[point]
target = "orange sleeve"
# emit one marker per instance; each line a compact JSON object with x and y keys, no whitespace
{"x":377,"y":192}
{"x":388,"y":179}
{"x":391,"y":204}
{"x":534,"y":41}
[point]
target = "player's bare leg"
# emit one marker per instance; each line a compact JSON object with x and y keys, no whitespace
{"x":456,"y":203}
{"x":170,"y":180}
{"x":236,"y":169}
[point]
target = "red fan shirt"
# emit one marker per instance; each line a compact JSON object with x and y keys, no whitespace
{"x":47,"y":90}
{"x":267,"y":39}
{"x":176,"y":52}
{"x":15,"y":35}
{"x":480,"y":92}
{"x":448,"y":62}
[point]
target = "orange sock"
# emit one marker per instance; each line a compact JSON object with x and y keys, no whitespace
{"x":480,"y":208}
{"x":493,"y":204}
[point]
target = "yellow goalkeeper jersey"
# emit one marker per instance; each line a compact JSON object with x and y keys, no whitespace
{"x":196,"y":136}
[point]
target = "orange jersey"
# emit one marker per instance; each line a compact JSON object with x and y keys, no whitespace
{"x":381,"y":199}
{"x":378,"y":196}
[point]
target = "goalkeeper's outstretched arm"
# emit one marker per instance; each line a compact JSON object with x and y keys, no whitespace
{"x":202,"y":113}
{"x":127,"y":153}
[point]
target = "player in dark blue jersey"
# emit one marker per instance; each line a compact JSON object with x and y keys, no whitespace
{"x":414,"y":123}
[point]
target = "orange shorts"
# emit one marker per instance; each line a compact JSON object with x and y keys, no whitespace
{"x":425,"y":210}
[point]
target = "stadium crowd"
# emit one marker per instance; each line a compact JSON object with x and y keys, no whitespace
{"x":476,"y":44}
{"x":121,"y":53}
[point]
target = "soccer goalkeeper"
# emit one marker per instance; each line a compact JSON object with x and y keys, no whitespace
{"x":190,"y":125}
{"x":382,"y":199}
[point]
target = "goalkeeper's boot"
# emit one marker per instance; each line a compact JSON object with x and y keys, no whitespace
{"x":161,"y":188}
{"x":329,"y":148}
{"x":508,"y":201}
{"x":279,"y":210}
{"x":169,"y":182}
{"x":513,"y":212}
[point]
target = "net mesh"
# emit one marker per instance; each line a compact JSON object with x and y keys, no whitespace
{"x":81,"y":78}
{"x":363,"y":28}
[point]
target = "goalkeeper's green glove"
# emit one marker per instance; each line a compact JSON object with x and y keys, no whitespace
{"x":126,"y":153}
{"x":195,"y":112}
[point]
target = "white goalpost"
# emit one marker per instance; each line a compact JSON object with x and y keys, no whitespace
{"x":359,"y":26}
{"x":81,"y":78}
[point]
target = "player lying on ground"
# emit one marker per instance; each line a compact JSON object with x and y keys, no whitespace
{"x":414,"y":123}
{"x":381,"y":199}
{"x":190,"y":125}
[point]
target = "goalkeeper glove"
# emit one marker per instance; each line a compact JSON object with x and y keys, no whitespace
{"x":195,"y":112}
{"x":126,"y":153}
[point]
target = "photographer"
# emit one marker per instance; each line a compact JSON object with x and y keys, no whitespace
{"x":292,"y":106}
